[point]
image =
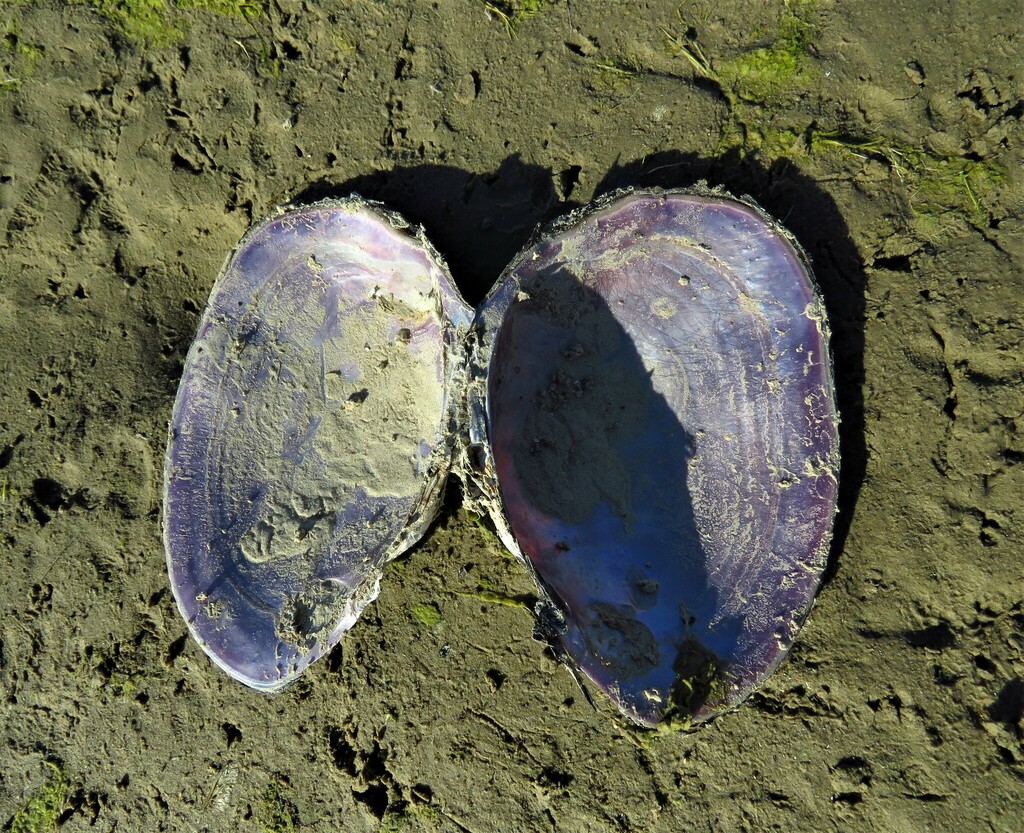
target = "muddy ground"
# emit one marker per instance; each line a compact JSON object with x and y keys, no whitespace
{"x":139,"y":141}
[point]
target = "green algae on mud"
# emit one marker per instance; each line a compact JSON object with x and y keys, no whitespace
{"x":935,"y":185}
{"x":427,"y":613}
{"x":514,"y":13}
{"x":276,"y":812}
{"x":151,"y":23}
{"x":18,"y":57}
{"x":160,"y":22}
{"x":938,"y":189}
{"x":41,"y":812}
{"x":760,"y":73}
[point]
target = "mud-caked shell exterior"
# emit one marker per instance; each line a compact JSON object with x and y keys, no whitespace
{"x":311,"y":435}
{"x":654,"y":431}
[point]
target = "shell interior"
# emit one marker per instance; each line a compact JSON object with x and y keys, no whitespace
{"x":644,"y":406}
{"x":664,"y":439}
{"x":310,"y":438}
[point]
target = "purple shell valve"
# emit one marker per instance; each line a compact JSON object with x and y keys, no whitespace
{"x":296,"y":464}
{"x":663,"y":426}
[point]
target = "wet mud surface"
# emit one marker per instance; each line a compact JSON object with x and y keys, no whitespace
{"x":135,"y":150}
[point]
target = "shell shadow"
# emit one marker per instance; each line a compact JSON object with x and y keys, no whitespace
{"x":593,"y":465}
{"x":813,"y":217}
{"x":480,"y":221}
{"x":477,"y":221}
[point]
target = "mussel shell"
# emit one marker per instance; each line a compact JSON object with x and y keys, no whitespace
{"x":660,"y":412}
{"x":311,"y":435}
{"x":644,"y":405}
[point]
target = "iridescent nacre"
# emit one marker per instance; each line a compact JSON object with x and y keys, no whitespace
{"x":644,"y":406}
{"x":664,"y":438}
{"x":310,"y":439}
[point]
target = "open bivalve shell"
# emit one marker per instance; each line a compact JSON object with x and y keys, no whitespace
{"x":312,"y":433}
{"x":643,"y":405}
